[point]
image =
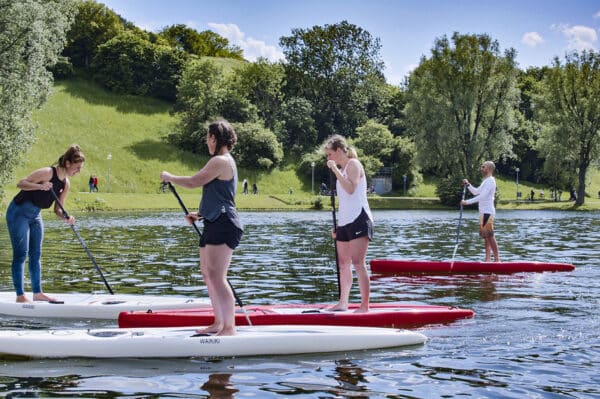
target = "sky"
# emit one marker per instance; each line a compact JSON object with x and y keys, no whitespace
{"x":538,"y":30}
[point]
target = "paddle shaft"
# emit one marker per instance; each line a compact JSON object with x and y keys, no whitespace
{"x":87,"y":251}
{"x":185,"y":210}
{"x":337,"y":261}
{"x":459,"y":223}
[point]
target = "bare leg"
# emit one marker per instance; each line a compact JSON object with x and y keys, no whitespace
{"x":487,"y":250}
{"x":217,"y":323}
{"x":494,"y":247}
{"x":358,"y":249}
{"x":345,"y":265}
{"x":214,"y":269}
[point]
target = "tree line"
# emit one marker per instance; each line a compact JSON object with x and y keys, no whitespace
{"x":466,"y":102}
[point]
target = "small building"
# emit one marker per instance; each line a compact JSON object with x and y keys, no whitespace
{"x":382,"y":181}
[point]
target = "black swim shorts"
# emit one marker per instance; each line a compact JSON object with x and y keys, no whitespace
{"x":221,"y":231}
{"x":360,"y":227}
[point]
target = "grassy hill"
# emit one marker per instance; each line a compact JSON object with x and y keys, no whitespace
{"x":132,"y":130}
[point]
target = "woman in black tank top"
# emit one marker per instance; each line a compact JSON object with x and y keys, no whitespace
{"x":222,"y":228}
{"x":24,"y":220}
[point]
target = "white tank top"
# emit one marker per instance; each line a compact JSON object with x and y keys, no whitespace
{"x":351,"y":205}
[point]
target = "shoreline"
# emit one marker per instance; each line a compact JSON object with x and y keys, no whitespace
{"x":82,"y":202}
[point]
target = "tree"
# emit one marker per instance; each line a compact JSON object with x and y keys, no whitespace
{"x":129,"y":63}
{"x":332,"y":66}
{"x":94,"y":25}
{"x":199,"y":95}
{"x":461,"y":104}
{"x":376,"y":141}
{"x":261,"y":83}
{"x":205,"y":43}
{"x":570,"y":108}
{"x":257,"y":146}
{"x":33,"y":35}
{"x":299,"y":132}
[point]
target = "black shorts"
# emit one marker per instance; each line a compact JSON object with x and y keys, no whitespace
{"x":362,"y":226}
{"x":221,"y":231}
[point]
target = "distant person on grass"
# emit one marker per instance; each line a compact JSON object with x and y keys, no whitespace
{"x":484,"y":196}
{"x":222,"y":227}
{"x":24,"y":218}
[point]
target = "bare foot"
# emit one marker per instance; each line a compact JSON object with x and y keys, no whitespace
{"x":40,"y":296}
{"x":362,"y":309}
{"x":22,"y":299}
{"x":338,"y":308}
{"x":212,"y":329}
{"x":226,"y":331}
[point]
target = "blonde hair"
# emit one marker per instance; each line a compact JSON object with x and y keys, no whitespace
{"x":337,"y":142}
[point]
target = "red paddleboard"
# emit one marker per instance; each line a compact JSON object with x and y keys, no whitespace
{"x":380,"y":315}
{"x":458,"y":267}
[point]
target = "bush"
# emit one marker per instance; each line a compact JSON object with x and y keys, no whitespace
{"x":449,"y":190}
{"x":63,"y":69}
{"x":257,"y":146}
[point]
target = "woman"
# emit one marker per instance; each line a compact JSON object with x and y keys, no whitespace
{"x":222,"y":227}
{"x":24,"y":219}
{"x":355,"y":222}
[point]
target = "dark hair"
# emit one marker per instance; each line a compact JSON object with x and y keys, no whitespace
{"x":224,"y":133}
{"x":73,"y":155}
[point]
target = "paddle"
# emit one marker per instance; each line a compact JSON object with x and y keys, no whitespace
{"x":184,"y":208}
{"x":87,"y":251}
{"x":337,"y":262}
{"x":459,"y":223}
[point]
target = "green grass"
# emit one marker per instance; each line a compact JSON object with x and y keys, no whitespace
{"x":133,"y":129}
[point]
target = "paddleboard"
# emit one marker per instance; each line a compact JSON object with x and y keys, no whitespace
{"x":177,"y":342}
{"x":93,"y":306}
{"x":458,"y":267}
{"x":380,"y":315}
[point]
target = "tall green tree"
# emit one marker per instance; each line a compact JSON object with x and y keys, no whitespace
{"x":461,"y":104}
{"x":94,"y":25}
{"x":199,"y":95}
{"x":376,"y":141}
{"x":129,"y":63}
{"x":205,"y":43}
{"x":570,"y":108}
{"x":33,"y":35}
{"x":331,"y":66}
{"x":261,"y":83}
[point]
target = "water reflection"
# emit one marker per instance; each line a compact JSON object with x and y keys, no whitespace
{"x":219,"y":386}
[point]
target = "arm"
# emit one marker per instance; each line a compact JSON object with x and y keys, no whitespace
{"x":353,"y":170}
{"x":37,"y":180}
{"x":213,"y":169}
{"x":486,"y":190}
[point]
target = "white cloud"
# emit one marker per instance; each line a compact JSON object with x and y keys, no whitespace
{"x":532,"y":39}
{"x":253,"y":49}
{"x":597,"y":15}
{"x":579,"y":37}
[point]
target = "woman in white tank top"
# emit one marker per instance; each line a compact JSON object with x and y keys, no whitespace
{"x":355,"y":227}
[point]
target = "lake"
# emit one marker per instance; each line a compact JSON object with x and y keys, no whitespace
{"x":534,"y":335}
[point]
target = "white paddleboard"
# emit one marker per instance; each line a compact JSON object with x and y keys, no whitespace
{"x":93,"y":306}
{"x":184,"y":342}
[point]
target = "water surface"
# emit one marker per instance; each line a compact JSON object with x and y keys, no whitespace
{"x":534,"y":335}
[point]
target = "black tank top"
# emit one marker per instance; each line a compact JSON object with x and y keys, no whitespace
{"x":40,"y":198}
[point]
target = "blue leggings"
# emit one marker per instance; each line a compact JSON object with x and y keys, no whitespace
{"x":26,"y":230}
